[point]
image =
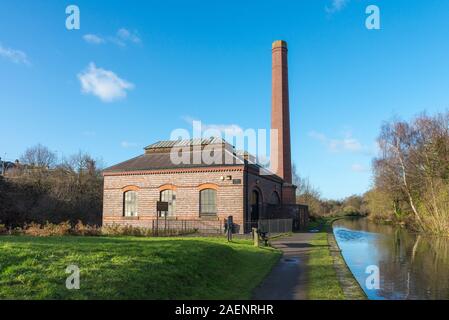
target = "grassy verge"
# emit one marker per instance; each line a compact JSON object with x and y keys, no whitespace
{"x":132,"y":268}
{"x":323,"y":281}
{"x":329,"y":276}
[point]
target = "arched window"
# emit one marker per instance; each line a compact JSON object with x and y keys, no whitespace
{"x":274,"y":199}
{"x":130,"y":203}
{"x":208,"y":202}
{"x":170,"y":197}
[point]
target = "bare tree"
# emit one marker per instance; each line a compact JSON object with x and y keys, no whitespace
{"x":71,"y":191}
{"x":306,"y":193}
{"x":296,"y":179}
{"x":413,"y":172}
{"x":39,"y":156}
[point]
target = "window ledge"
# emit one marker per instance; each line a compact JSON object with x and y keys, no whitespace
{"x":131,"y":218}
{"x":211,"y":216}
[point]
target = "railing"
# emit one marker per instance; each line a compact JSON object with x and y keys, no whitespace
{"x":299,"y":214}
{"x":218,"y":226}
{"x":188,"y":226}
{"x":271,"y":225}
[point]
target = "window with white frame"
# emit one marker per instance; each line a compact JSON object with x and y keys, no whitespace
{"x":208,"y":202}
{"x":130,"y":204}
{"x":170,"y":197}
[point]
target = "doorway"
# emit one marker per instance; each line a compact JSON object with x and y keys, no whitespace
{"x":255,"y":197}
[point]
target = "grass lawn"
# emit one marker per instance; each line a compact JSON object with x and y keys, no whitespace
{"x":323,"y":280}
{"x":132,"y":268}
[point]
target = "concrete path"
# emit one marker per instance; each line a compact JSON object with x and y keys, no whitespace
{"x":288,"y":279}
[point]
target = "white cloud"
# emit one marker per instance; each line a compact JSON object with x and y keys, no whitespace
{"x":336,"y":5}
{"x":126,"y":35}
{"x":223,"y":129}
{"x":121,"y":38}
{"x":318,"y":136}
{"x":93,"y":39}
{"x":104,"y":84}
{"x":16,"y":56}
{"x":348,"y":143}
{"x":127,"y":144}
{"x":357,"y":167}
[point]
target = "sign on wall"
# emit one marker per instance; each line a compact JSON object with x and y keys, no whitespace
{"x":162,"y":206}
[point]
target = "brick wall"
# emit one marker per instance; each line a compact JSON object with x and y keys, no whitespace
{"x":186,"y":183}
{"x":266,"y":186}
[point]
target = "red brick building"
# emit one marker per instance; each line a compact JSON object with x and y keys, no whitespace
{"x":198,"y":189}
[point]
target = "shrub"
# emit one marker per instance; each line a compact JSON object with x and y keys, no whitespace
{"x":16,"y":231}
{"x":48,"y":229}
{"x":32,"y":229}
{"x":125,"y":230}
{"x":128,"y":230}
{"x":351,"y":211}
{"x":3,"y":229}
{"x":61,"y":229}
{"x":81,"y":229}
{"x":111,"y":230}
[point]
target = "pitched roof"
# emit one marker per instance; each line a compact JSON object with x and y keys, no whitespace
{"x":161,"y":155}
{"x":171,"y":160}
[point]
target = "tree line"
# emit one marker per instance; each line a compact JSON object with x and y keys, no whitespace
{"x":306,"y":193}
{"x":410,"y":178}
{"x":42,"y":188}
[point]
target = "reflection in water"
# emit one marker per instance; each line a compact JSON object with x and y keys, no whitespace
{"x":411,"y":266}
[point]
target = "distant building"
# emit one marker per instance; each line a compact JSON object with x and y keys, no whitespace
{"x":6,"y":166}
{"x":200,"y":190}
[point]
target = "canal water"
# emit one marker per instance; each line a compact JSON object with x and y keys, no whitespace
{"x":410,"y":266}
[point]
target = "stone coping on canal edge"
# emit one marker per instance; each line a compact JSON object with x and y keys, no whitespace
{"x":350,"y":286}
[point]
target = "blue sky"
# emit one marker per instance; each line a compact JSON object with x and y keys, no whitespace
{"x":165,"y":62}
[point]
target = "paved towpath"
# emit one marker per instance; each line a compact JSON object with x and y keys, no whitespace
{"x":288,"y":279}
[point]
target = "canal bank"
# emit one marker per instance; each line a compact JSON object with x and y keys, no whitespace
{"x":410,"y":265}
{"x":311,"y":268}
{"x":328,"y":274}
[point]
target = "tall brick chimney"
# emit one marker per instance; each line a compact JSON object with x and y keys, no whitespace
{"x":280,"y":113}
{"x":280,"y":119}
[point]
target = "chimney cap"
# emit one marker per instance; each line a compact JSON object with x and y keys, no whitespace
{"x":279,"y":44}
